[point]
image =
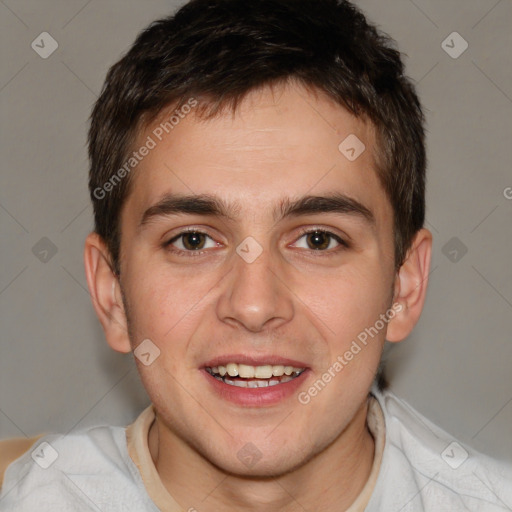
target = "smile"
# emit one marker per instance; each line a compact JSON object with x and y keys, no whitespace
{"x":246,"y":376}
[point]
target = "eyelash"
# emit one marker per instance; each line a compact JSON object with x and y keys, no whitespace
{"x":327,"y":253}
{"x":305,"y":231}
{"x":179,"y":252}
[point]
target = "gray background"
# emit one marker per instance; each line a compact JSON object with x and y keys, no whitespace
{"x":56,"y":371}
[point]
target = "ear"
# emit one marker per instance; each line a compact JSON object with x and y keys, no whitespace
{"x":105,"y":292}
{"x":411,"y":287}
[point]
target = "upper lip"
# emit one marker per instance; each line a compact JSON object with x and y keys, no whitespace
{"x":256,"y":360}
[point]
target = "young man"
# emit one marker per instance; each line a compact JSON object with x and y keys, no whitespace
{"x":257,"y":174}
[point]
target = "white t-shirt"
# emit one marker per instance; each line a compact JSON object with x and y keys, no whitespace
{"x":417,"y":467}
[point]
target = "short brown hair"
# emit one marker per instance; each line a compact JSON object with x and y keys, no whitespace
{"x":220,"y":50}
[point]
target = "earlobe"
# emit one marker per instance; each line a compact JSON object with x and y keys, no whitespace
{"x":411,"y":287}
{"x":105,"y":293}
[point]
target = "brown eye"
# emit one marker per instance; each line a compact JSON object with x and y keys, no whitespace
{"x":318,"y":240}
{"x":193,"y":241}
{"x":190,"y":241}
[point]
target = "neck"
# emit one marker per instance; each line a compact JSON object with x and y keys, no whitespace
{"x":330,"y":481}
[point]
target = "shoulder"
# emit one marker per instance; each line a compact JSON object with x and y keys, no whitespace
{"x":12,"y":449}
{"x":87,"y":470}
{"x":429,"y":468}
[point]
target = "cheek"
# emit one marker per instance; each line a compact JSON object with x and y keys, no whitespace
{"x":161,"y":309}
{"x":347,"y":300}
{"x":162,"y":300}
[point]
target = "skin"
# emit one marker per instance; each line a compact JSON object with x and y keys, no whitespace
{"x":293,"y":301}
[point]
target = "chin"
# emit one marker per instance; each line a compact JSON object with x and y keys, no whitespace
{"x":270,"y":468}
{"x":259,"y":458}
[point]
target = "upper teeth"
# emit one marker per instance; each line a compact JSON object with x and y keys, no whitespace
{"x":254,"y":372}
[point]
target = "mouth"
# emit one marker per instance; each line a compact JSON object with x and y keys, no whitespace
{"x":255,"y":381}
{"x":247,"y":376}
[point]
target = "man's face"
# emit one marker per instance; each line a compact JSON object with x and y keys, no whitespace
{"x":253,"y":287}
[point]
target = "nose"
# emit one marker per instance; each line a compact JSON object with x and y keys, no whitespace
{"x":254,"y":295}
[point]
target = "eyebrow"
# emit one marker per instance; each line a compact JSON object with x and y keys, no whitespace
{"x":212,"y":206}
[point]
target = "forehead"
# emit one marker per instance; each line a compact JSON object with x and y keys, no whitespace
{"x":281,"y":142}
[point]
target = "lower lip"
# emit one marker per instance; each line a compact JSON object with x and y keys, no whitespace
{"x":255,"y":397}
